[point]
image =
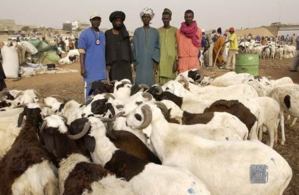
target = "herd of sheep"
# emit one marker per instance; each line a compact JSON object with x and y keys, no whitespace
{"x":193,"y":135}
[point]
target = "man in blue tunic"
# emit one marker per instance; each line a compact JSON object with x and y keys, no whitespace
{"x":146,"y":50}
{"x":92,"y":53}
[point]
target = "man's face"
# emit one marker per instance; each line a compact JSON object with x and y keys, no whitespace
{"x":189,"y":18}
{"x":166,"y":18}
{"x":146,"y":19}
{"x":117,"y":23}
{"x":96,"y":22}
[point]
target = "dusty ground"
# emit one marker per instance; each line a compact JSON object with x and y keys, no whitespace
{"x":70,"y":85}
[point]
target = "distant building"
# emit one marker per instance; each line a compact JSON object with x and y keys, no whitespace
{"x":288,"y":30}
{"x":67,"y":26}
{"x":8,"y":26}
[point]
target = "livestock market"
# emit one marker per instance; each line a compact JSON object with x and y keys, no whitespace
{"x":149,"y":98}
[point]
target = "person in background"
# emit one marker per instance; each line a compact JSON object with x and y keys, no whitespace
{"x":92,"y":54}
{"x":296,"y":58}
{"x":71,"y":44}
{"x":233,"y":49}
{"x":168,"y":49}
{"x":188,"y":40}
{"x":2,"y":74}
{"x":146,"y":50}
{"x":118,"y":48}
{"x":219,"y":48}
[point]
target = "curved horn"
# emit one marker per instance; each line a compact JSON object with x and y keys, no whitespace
{"x":38,"y":94}
{"x":21,"y":118}
{"x":186,"y":86}
{"x":143,"y":86}
{"x":4,"y":92}
{"x":162,"y":107}
{"x":82,"y":133}
{"x":19,"y":94}
{"x":201,"y":76}
{"x":160,"y":90}
{"x":109,"y":95}
{"x":43,"y":126}
{"x":106,"y":120}
{"x":147,"y":95}
{"x":126,"y":82}
{"x":147,"y":116}
{"x":59,"y":97}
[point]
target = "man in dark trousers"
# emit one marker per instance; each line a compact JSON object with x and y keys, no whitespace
{"x":118,"y":48}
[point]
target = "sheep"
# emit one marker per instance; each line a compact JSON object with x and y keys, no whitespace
{"x":214,"y":125}
{"x":287,"y":97}
{"x":122,"y":89}
{"x":222,"y":166}
{"x":26,"y":168}
{"x":231,"y":78}
{"x":9,"y":129}
{"x":99,"y":87}
{"x":237,"y":90}
{"x":123,"y":140}
{"x":144,"y":177}
{"x":26,"y":97}
{"x":71,"y":109}
{"x":77,"y":175}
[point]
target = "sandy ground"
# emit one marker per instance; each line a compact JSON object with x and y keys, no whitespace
{"x":70,"y":85}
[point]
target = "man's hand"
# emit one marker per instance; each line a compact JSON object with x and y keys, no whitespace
{"x":175,"y":66}
{"x":83,"y":73}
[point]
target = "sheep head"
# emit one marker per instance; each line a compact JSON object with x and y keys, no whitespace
{"x":141,"y":117}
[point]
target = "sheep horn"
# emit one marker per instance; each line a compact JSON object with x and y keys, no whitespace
{"x":109,"y":95}
{"x":162,"y":107}
{"x":19,"y":94}
{"x":82,"y":133}
{"x":186,"y":86}
{"x":159,"y":88}
{"x":147,"y":115}
{"x":201,"y":77}
{"x":38,"y":94}
{"x":21,"y":118}
{"x":143,"y":86}
{"x":107,"y":120}
{"x":126,"y":82}
{"x":43,"y":126}
{"x":59,"y":97}
{"x":4,"y":92}
{"x":147,"y":96}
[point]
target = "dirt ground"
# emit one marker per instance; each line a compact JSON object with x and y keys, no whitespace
{"x":70,"y":85}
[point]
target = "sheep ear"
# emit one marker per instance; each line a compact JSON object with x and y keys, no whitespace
{"x":287,"y":101}
{"x":21,"y":118}
{"x":90,"y":143}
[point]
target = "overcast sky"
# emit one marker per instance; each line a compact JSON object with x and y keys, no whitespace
{"x":209,"y":14}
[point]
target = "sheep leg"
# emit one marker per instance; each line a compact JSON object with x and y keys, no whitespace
{"x":260,"y":133}
{"x":294,"y":122}
{"x":283,"y":139}
{"x":51,"y":188}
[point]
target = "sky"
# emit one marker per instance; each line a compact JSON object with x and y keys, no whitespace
{"x":209,"y":14}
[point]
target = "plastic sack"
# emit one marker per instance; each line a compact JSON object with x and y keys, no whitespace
{"x":10,"y":61}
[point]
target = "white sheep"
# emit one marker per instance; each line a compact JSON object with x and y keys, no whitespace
{"x":239,"y":167}
{"x":151,"y":178}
